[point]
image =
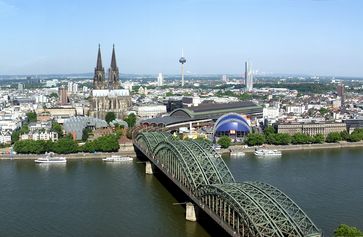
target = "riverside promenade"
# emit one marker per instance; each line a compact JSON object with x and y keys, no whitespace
{"x":339,"y":145}
{"x":125,"y":150}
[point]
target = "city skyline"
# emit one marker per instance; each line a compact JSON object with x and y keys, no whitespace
{"x":285,"y":37}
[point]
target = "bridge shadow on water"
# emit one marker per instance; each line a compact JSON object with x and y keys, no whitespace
{"x":210,"y":226}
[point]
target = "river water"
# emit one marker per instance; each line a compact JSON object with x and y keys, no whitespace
{"x":92,"y":198}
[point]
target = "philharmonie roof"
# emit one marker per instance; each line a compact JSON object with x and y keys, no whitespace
{"x":206,"y":111}
{"x":214,"y":111}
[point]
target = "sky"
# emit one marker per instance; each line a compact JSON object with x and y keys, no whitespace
{"x":313,"y":37}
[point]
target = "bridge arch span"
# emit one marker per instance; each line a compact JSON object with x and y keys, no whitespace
{"x":249,"y":211}
{"x":178,"y":161}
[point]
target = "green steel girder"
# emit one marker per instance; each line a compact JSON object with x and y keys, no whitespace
{"x":268,"y":215}
{"x":277,"y":216}
{"x":212,"y":173}
{"x":218,"y":163}
{"x":193,"y":170}
{"x":255,"y":222}
{"x":298,"y":216}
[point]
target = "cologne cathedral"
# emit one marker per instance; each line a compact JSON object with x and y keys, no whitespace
{"x":107,"y":95}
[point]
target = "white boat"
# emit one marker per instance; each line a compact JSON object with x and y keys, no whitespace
{"x":117,"y":158}
{"x":50,"y":160}
{"x":237,"y":154}
{"x":267,"y":153}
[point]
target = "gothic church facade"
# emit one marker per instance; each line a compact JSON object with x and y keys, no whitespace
{"x":107,"y":95}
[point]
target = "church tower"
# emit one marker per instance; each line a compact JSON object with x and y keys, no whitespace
{"x":113,"y":73}
{"x":99,"y":77}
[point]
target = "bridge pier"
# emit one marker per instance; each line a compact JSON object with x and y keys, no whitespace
{"x":148,"y":168}
{"x":190,"y":212}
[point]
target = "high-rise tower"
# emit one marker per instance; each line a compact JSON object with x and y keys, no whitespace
{"x":248,"y":77}
{"x":113,"y":73}
{"x":99,"y":77}
{"x":160,"y":79}
{"x":182,"y":60}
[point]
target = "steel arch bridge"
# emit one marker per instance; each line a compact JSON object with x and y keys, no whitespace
{"x":242,"y":209}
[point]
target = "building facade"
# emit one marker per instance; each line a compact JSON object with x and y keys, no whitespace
{"x":107,"y":96}
{"x":310,"y":128}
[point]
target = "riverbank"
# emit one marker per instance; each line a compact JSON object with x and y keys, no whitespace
{"x":342,"y":144}
{"x":125,"y":150}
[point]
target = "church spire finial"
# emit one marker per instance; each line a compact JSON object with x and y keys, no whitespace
{"x":99,"y":59}
{"x":113,"y":59}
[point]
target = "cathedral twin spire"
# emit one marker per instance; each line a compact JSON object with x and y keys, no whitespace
{"x":113,"y":73}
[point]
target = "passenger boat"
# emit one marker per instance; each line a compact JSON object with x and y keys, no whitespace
{"x":50,"y":160}
{"x":117,"y":158}
{"x":267,"y":153}
{"x":235,"y":154}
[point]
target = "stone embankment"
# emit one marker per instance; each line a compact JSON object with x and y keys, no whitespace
{"x":342,"y":144}
{"x":125,"y":150}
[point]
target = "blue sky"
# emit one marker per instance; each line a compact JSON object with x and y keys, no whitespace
{"x":316,"y":37}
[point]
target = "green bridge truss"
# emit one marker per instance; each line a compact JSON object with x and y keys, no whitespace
{"x":243,"y":209}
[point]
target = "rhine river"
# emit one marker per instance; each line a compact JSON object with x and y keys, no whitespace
{"x":92,"y":198}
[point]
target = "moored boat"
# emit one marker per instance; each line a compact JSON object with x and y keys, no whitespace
{"x":114,"y":158}
{"x":50,"y":160}
{"x":267,"y":153}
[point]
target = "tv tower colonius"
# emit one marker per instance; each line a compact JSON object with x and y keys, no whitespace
{"x":182,"y":60}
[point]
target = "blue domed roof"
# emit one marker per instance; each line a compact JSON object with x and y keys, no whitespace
{"x":236,"y":125}
{"x":231,"y":116}
{"x":231,"y":121}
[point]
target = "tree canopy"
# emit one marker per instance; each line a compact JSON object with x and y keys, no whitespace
{"x":32,"y":116}
{"x":347,"y":231}
{"x":224,"y":141}
{"x":56,"y":127}
{"x":130,"y":120}
{"x":110,"y":116}
{"x":255,"y":139}
{"x":333,"y":137}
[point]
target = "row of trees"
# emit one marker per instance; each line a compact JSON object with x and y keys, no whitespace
{"x":67,"y":145}
{"x":344,"y":230}
{"x":270,"y":137}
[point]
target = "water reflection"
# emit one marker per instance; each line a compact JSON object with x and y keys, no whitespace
{"x":48,"y":166}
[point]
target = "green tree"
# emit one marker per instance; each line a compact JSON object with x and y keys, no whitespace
{"x":168,"y":94}
{"x":31,"y":147}
{"x":65,"y":146}
{"x":15,"y":136}
{"x":333,"y":137}
{"x":255,"y":139}
{"x":345,"y":135}
{"x":318,"y":138}
{"x":130,"y":120}
{"x":301,"y":138}
{"x":56,"y":127}
{"x":32,"y":117}
{"x":107,"y":143}
{"x":24,"y":129}
{"x":347,"y":231}
{"x":281,"y":138}
{"x":110,"y":116}
{"x":354,"y":137}
{"x":269,"y":130}
{"x":85,"y":133}
{"x":224,"y":141}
